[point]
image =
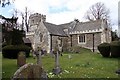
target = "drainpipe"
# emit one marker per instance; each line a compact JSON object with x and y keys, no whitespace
{"x":50,"y":42}
{"x":93,"y":42}
{"x":71,"y":39}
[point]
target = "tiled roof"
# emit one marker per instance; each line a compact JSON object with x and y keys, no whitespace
{"x":91,"y":25}
{"x":54,"y":29}
{"x":72,"y":26}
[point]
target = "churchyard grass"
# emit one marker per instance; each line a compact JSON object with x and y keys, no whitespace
{"x":85,"y":64}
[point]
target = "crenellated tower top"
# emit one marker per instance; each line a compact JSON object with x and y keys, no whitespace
{"x":35,"y":18}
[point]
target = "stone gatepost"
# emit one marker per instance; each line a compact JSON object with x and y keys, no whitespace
{"x":21,"y":60}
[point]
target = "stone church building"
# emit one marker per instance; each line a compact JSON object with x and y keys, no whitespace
{"x":75,"y":33}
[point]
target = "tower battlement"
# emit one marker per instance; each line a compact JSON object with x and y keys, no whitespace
{"x":35,"y":18}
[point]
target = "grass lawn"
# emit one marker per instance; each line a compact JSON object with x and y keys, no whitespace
{"x":83,"y":65}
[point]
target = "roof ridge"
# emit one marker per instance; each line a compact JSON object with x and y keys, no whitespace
{"x":90,"y":21}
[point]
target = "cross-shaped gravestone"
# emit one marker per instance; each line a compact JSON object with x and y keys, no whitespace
{"x":38,"y":54}
{"x":39,"y":58}
{"x":57,"y":68}
{"x":57,"y":59}
{"x":56,"y":52}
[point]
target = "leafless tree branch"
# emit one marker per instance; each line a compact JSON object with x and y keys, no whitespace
{"x":97,"y":11}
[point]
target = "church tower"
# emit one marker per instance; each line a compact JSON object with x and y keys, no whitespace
{"x":33,"y":24}
{"x":34,"y":20}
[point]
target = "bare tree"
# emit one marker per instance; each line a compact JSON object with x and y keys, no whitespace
{"x":26,"y":14}
{"x":15,"y":12}
{"x":22,"y":14}
{"x":26,"y":19}
{"x":97,"y":11}
{"x":3,"y":3}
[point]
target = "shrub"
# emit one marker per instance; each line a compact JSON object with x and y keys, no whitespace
{"x":104,"y":49}
{"x":13,"y":37}
{"x":115,"y":49}
{"x":16,"y":37}
{"x":11,"y":51}
{"x":4,"y":44}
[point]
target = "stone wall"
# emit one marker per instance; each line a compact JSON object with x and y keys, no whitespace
{"x":97,"y":38}
{"x":106,"y":32}
{"x":54,"y":39}
{"x":89,"y":40}
{"x":88,"y":44}
{"x":45,"y":35}
{"x":74,"y":40}
{"x":66,"y":43}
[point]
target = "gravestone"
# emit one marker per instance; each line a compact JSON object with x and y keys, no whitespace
{"x":39,"y":58}
{"x":21,"y":60}
{"x":57,"y":68}
{"x":30,"y":71}
{"x":56,"y":52}
{"x":69,"y":56}
{"x":38,"y":55}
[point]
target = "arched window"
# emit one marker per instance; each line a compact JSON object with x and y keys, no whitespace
{"x":41,"y":37}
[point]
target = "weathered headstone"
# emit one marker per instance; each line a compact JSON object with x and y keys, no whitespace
{"x":30,"y":71}
{"x":21,"y":60}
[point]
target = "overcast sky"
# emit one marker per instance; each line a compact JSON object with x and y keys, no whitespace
{"x":61,"y":11}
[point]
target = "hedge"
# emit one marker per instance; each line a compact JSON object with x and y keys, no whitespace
{"x":11,"y":51}
{"x":104,"y":49}
{"x":115,"y":49}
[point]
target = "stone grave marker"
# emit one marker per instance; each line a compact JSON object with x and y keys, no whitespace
{"x":38,"y":55}
{"x":21,"y":60}
{"x":69,"y":56}
{"x":57,"y":68}
{"x":30,"y":71}
{"x":39,"y":58}
{"x":56,"y":52}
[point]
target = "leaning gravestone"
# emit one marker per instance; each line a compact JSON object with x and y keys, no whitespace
{"x":21,"y":60}
{"x":30,"y":71}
